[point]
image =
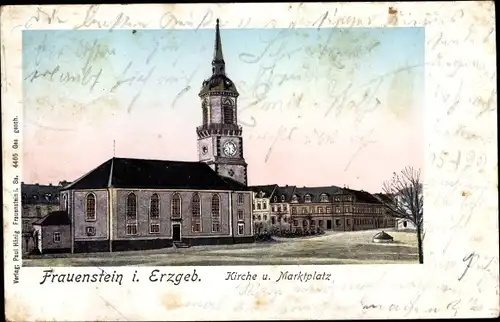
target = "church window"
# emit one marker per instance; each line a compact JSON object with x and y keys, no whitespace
{"x":196,"y":213}
{"x":176,"y":205}
{"x":65,"y":202}
{"x":132,"y":229}
{"x":241,"y":199}
{"x":131,"y":206}
{"x":215,"y":206}
{"x":90,"y":211}
{"x":195,"y":205}
{"x":154,"y":208}
{"x":240,"y":214}
{"x":154,"y":228}
{"x":241,"y":229}
{"x":307,"y":198}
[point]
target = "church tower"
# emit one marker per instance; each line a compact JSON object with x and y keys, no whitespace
{"x":220,"y":141}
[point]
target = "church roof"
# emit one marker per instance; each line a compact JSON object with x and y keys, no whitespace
{"x":154,"y":174}
{"x":55,"y":218}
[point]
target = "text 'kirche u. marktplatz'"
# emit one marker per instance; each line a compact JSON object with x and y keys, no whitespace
{"x":130,"y":204}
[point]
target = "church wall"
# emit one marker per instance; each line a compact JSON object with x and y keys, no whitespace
{"x":246,"y":206}
{"x":239,"y":172}
{"x":77,"y":208}
{"x":165,"y":220}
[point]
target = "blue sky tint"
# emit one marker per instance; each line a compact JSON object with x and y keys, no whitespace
{"x":140,"y":89}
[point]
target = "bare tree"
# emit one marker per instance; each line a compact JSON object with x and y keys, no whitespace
{"x":404,"y":200}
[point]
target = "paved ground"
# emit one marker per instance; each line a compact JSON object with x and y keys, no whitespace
{"x":331,"y":248}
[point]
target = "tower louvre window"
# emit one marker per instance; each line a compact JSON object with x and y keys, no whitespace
{"x":228,"y":114}
{"x":205,"y":112}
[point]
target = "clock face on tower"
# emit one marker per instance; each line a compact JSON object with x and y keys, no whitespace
{"x":229,"y":149}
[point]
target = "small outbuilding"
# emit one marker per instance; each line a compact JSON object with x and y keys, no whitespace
{"x":52,"y":233}
{"x":383,"y":237}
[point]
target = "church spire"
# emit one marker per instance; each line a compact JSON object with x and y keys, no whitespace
{"x":218,"y":64}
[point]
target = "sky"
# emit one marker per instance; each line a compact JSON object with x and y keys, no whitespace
{"x":318,"y":107}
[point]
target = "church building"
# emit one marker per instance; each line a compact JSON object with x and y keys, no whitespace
{"x":126,"y":204}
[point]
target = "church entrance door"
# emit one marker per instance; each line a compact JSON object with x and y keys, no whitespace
{"x":176,"y":232}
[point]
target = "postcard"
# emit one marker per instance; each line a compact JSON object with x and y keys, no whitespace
{"x":250,"y":161}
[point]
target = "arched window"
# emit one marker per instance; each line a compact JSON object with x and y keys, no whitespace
{"x":307,"y":198}
{"x":176,"y":205}
{"x":227,"y":111}
{"x":131,"y":206}
{"x":275,"y":199}
{"x":154,"y":207}
{"x":323,"y":197}
{"x":241,"y":199}
{"x":90,"y":207}
{"x":282,"y":198}
{"x":215,"y":206}
{"x":65,"y":202}
{"x":195,"y":206}
{"x":295,"y":198}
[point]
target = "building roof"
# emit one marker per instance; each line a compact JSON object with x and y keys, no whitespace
{"x":55,"y":218}
{"x":38,"y":194}
{"x":286,"y":191}
{"x":316,"y":192}
{"x":362,"y":196}
{"x":268,"y":190}
{"x":154,"y":174}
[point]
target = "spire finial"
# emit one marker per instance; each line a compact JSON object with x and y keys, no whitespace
{"x":218,"y":65}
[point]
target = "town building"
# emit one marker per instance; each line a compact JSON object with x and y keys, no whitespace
{"x":327,"y":208}
{"x":261,"y":207}
{"x":37,"y":201}
{"x":280,"y":207}
{"x":126,"y":204}
{"x":52,"y":233}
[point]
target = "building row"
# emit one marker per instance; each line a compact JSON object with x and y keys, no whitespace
{"x":325,"y":208}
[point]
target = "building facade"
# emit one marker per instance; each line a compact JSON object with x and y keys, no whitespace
{"x":261,"y":207}
{"x":37,"y":202}
{"x":52,"y":233}
{"x":327,"y":208}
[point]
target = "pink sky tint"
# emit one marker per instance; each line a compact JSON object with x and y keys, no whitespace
{"x":371,"y":131}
